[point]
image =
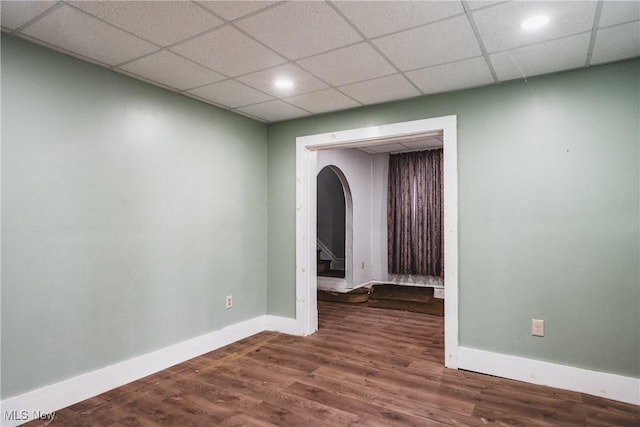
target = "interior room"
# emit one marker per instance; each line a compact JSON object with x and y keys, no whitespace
{"x":160,"y":212}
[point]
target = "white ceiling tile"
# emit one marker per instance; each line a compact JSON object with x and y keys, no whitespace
{"x":229,"y":51}
{"x":300,"y":29}
{"x":366,"y":150}
{"x":323,"y":101}
{"x":17,"y":13}
{"x":615,"y":43}
{"x":499,"y":26}
{"x":230,"y":93}
{"x":387,"y":148}
{"x":264,"y":80}
{"x":171,"y":70}
{"x":380,"y":90}
{"x":75,"y":31}
{"x":428,"y":142}
{"x":160,"y":22}
{"x":231,"y":10}
{"x":618,"y":12}
{"x":413,"y":144}
{"x":453,"y":76}
{"x":438,"y":43}
{"x":547,"y":57}
{"x":274,"y":111}
{"x":375,"y":18}
{"x":348,"y":65}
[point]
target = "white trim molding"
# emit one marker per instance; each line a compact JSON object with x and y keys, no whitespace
{"x":43,"y":401}
{"x":306,"y":169}
{"x":610,"y":386}
{"x":286,"y":325}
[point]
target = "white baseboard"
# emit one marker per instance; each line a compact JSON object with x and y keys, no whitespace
{"x":610,"y":386}
{"x":285,"y":325}
{"x":41,"y":402}
{"x":332,"y":284}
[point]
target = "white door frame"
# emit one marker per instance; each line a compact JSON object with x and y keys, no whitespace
{"x":306,"y":172}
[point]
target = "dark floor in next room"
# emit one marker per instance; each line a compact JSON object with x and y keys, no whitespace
{"x":364,"y":367}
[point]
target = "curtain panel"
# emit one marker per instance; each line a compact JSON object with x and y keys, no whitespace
{"x":415,"y":213}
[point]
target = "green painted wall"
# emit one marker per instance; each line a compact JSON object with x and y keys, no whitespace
{"x":549,"y":190}
{"x":128,"y":214}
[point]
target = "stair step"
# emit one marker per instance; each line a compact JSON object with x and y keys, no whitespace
{"x":338,"y":274}
{"x":324,"y":265}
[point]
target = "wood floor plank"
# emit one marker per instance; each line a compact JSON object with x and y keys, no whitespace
{"x":364,"y":367}
{"x":368,"y":412}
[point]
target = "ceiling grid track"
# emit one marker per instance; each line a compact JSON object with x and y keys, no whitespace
{"x":594,"y":32}
{"x":476,"y":33}
{"x":338,"y":55}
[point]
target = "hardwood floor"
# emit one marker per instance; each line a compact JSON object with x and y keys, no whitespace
{"x":364,"y":367}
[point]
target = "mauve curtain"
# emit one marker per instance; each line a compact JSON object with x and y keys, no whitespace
{"x":414,"y":213}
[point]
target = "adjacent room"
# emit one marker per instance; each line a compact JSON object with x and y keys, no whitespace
{"x":320,"y":212}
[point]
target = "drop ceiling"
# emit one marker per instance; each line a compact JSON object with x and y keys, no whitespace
{"x":339,"y":54}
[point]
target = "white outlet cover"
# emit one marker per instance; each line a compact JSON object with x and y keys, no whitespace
{"x":537,"y":327}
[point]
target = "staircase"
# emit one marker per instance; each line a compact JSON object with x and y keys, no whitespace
{"x":324,"y":268}
{"x":324,"y":265}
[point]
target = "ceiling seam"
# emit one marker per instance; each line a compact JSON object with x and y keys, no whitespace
{"x":272,"y":98}
{"x":619,"y":24}
{"x":476,"y":33}
{"x":540,"y":42}
{"x":248,"y":15}
{"x":415,"y":27}
{"x":443,"y":63}
{"x":594,"y":31}
{"x":278,"y":99}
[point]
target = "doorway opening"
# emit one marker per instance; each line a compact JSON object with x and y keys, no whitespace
{"x":334,"y":229}
{"x":306,"y":214}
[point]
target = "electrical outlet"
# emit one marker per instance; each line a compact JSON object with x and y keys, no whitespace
{"x":229,"y":301}
{"x":537,"y":327}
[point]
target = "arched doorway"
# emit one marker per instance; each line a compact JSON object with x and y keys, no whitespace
{"x":334,"y":229}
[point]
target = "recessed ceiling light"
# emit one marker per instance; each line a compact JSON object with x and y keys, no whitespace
{"x":534,"y":22}
{"x":284,"y":84}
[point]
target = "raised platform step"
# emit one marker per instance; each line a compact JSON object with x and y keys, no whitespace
{"x":402,"y":293}
{"x":356,"y":296}
{"x":435,"y":306}
{"x":407,"y":298}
